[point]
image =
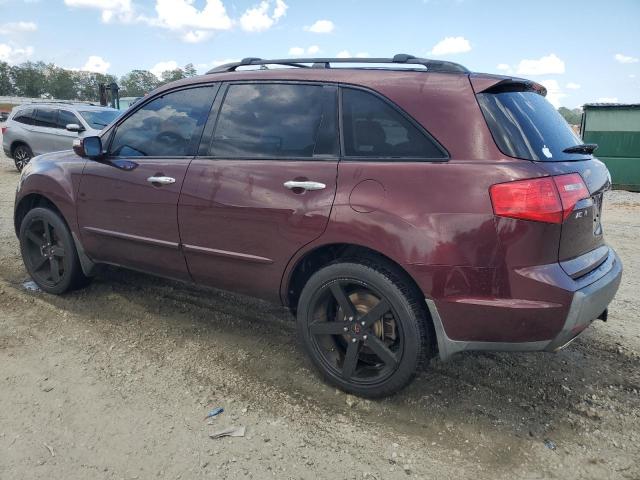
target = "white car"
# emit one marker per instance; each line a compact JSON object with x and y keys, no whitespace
{"x":36,"y":128}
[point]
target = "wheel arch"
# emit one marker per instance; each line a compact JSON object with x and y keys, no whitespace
{"x":17,"y":143}
{"x":29,"y":202}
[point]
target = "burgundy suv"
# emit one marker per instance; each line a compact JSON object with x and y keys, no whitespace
{"x":399,"y":212}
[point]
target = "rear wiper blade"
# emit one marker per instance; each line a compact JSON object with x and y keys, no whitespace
{"x":584,"y":148}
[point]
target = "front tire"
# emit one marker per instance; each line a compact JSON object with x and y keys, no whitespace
{"x":364,"y":327}
{"x":22,"y":154}
{"x":49,"y":252}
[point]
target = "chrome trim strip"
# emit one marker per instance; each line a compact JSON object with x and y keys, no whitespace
{"x":227,"y":254}
{"x":133,"y":238}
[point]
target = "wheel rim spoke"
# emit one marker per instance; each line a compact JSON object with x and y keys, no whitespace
{"x":382,"y":351}
{"x":47,"y":231}
{"x":327,"y":328}
{"x":57,"y":251}
{"x":34,"y":238}
{"x":350,"y":359}
{"x":375,"y":313}
{"x":343,"y":300}
{"x":55,"y":269}
{"x":39,"y":263}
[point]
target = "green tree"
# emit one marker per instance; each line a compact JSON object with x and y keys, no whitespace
{"x":172,"y":75}
{"x":573,"y":117}
{"x":190,"y":70}
{"x":29,"y":79}
{"x":137,"y":83}
{"x":6,"y":85}
{"x":61,"y":83}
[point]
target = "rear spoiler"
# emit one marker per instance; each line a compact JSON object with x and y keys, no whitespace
{"x":500,"y":84}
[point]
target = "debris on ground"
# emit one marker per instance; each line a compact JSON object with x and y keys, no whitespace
{"x":31,"y":286}
{"x":50,"y":448}
{"x":229,"y":432}
{"x":550,"y":444}
{"x":215,"y":412}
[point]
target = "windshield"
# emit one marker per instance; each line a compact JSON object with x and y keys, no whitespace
{"x":99,"y":119}
{"x":525,"y":125}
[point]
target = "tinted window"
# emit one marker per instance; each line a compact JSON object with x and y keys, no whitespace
{"x":24,"y":116}
{"x":276,"y":121}
{"x":99,"y":119}
{"x":65,"y":118}
{"x":165,"y":126}
{"x":525,"y":125}
{"x":373,"y":128}
{"x":46,"y":117}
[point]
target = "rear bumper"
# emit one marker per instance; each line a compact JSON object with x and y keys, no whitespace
{"x":587,"y":304}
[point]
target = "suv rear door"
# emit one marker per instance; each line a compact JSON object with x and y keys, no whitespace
{"x":525,"y":125}
{"x":127,"y":202}
{"x":263,"y":185}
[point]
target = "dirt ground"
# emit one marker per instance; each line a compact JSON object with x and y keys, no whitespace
{"x":114,"y":381}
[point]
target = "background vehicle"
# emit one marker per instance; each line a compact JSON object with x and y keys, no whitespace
{"x":126,"y":102}
{"x":398,"y":212}
{"x":37,"y":128}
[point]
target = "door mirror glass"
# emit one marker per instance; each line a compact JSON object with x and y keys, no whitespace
{"x":88,"y":147}
{"x":74,"y":127}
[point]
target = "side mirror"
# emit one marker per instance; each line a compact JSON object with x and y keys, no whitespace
{"x":74,"y":127}
{"x":88,"y":147}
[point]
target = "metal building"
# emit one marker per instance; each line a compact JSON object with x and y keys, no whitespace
{"x":616,"y":129}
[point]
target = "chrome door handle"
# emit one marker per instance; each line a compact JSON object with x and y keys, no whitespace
{"x":291,"y":184}
{"x":162,"y":180}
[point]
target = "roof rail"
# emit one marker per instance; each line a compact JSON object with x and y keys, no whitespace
{"x":62,"y":102}
{"x":401,"y":58}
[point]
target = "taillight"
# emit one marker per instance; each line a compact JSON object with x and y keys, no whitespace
{"x":572,"y":189}
{"x":4,"y":129}
{"x":546,"y":199}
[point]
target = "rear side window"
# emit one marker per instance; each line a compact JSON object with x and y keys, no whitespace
{"x":373,"y":128}
{"x":525,"y":125}
{"x":164,"y":127}
{"x":276,"y":121}
{"x":65,"y":118}
{"x":24,"y":116}
{"x":46,"y":117}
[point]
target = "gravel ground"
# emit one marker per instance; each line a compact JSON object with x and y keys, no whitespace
{"x":114,"y":382}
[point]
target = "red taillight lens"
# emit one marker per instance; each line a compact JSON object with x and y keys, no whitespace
{"x":572,"y":189}
{"x":4,"y":129}
{"x":546,"y":199}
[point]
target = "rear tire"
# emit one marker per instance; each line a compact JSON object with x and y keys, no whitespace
{"x":364,"y":327}
{"x":22,"y":154}
{"x":49,"y":252}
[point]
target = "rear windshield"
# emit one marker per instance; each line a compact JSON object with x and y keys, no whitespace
{"x":525,"y":125}
{"x":99,"y":119}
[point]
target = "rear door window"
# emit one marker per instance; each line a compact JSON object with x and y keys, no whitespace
{"x":525,"y":125}
{"x":276,"y":121}
{"x":46,"y":117}
{"x":373,"y":128}
{"x":164,"y":127}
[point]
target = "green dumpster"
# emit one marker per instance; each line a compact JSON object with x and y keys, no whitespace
{"x":616,"y":129}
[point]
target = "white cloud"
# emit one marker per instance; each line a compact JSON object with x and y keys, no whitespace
{"x":554,"y":92}
{"x":347,"y":54}
{"x":182,"y":15}
{"x":298,"y":51}
{"x":120,"y":10}
{"x":632,"y":75}
{"x":625,"y":58}
{"x":160,"y":67}
{"x":96,"y":64}
{"x":12,"y":54}
{"x":546,"y":65}
{"x":608,"y":100}
{"x":504,"y":67}
{"x":259,"y":18}
{"x":15,"y":27}
{"x":451,"y":45}
{"x":321,"y":26}
{"x":196,"y":36}
{"x":573,"y":86}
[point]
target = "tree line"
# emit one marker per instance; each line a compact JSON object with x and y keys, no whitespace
{"x":46,"y":80}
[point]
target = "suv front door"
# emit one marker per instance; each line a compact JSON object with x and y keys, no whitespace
{"x":264,"y":185}
{"x":127,"y":203}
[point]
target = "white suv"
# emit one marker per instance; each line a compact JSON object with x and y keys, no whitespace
{"x":36,"y":128}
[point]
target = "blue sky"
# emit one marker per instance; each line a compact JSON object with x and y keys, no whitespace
{"x":583,"y":51}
